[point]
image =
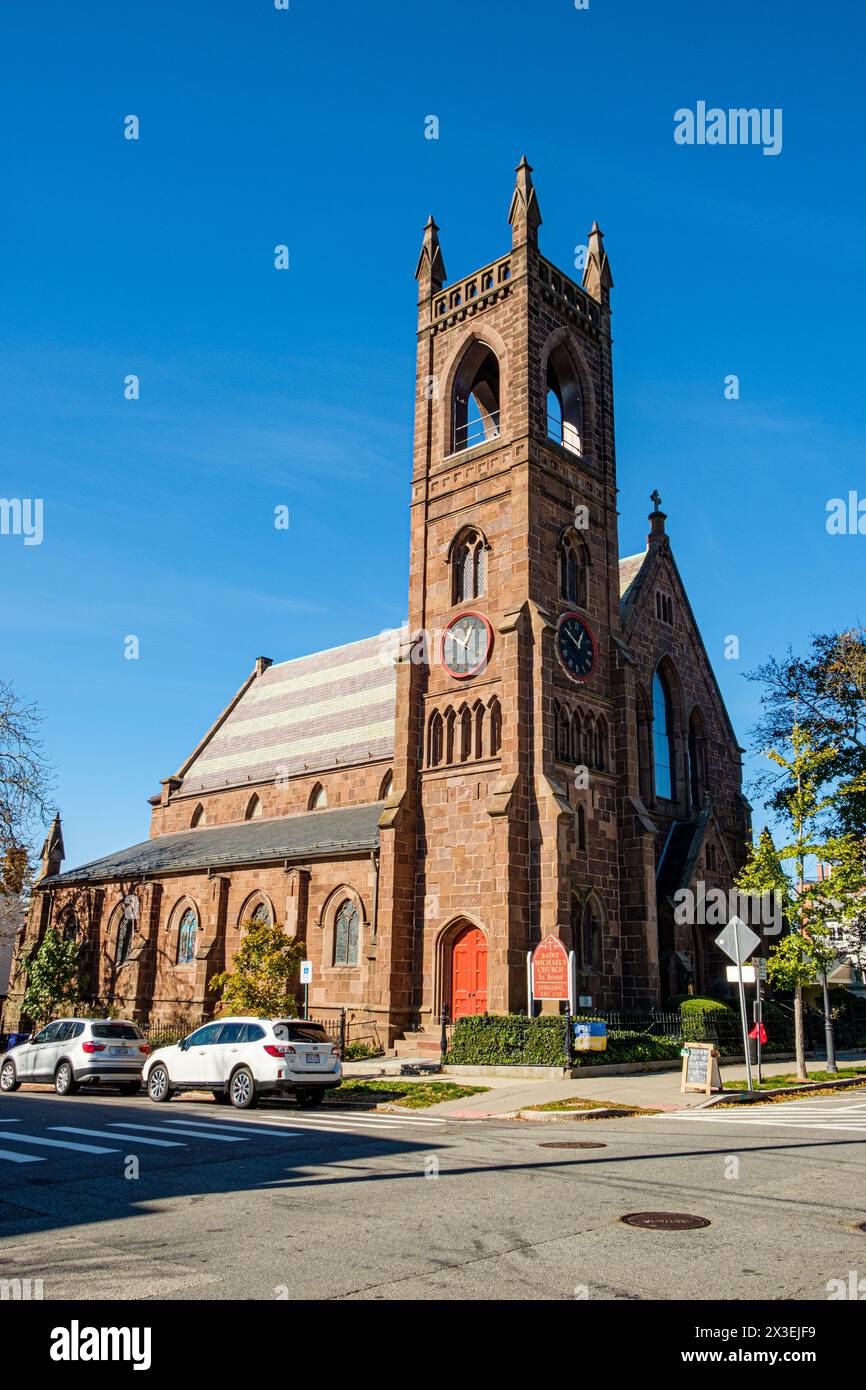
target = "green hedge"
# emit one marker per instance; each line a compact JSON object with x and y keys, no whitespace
{"x":508,"y":1040}
{"x":699,"y":1015}
{"x":514,"y":1040}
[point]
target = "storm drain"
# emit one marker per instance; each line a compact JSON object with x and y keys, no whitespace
{"x":572,"y":1144}
{"x":665,"y":1220}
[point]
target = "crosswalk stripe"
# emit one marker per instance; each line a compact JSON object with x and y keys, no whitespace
{"x":839,"y":1124}
{"x":192,"y":1133}
{"x":105,"y":1134}
{"x":21,"y":1158}
{"x":59,"y":1144}
{"x":279,"y":1132}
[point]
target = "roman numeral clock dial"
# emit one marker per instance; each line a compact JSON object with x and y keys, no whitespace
{"x":576,"y":647}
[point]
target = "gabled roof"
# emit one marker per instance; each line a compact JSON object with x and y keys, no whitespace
{"x":330,"y":709}
{"x":630,"y":567}
{"x":343,"y":830}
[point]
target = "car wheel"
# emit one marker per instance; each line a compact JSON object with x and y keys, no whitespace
{"x":130,"y":1088}
{"x":242,"y":1089}
{"x":158,"y":1084}
{"x":309,"y":1099}
{"x":9,"y":1077}
{"x":64,"y":1080}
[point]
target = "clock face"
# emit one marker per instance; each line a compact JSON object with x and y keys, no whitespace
{"x":576,"y":646}
{"x":466,"y":644}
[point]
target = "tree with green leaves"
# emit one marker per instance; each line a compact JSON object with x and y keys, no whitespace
{"x":53,"y":979}
{"x":805,"y":950}
{"x":824,"y":693}
{"x":263,"y":975}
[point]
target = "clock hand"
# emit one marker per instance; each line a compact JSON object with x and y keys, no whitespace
{"x":574,"y":643}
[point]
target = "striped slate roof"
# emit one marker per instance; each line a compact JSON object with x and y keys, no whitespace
{"x":331,"y":709}
{"x":345,"y":830}
{"x":630,"y":567}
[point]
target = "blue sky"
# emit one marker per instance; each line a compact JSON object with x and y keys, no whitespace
{"x":260,"y":387}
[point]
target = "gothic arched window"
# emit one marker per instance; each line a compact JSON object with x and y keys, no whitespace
{"x":346,"y":934}
{"x":601,"y":745}
{"x":591,"y":940}
{"x":563,"y":735}
{"x":663,"y":749}
{"x":198,"y":818}
{"x":564,"y":407}
{"x":386,"y":785}
{"x":434,"y":740}
{"x":261,"y":915}
{"x":465,"y":734}
{"x":573,"y":571}
{"x":469,"y":567}
{"x":495,"y":727}
{"x":697,"y":758}
{"x":186,"y":934}
{"x":581,"y":827}
{"x":475,"y":399}
{"x":254,"y":808}
{"x":125,"y":930}
{"x":318,"y":798}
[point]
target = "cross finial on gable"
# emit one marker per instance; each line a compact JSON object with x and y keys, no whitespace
{"x":656,"y":498}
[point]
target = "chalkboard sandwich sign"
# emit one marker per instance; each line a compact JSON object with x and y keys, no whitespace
{"x":701,"y":1068}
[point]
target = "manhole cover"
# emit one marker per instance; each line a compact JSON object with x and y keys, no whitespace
{"x":665,"y":1220}
{"x":572,"y":1144}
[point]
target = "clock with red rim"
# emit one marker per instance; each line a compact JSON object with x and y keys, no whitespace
{"x":466,"y":645}
{"x":576,"y":647}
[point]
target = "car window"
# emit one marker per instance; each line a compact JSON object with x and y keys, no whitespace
{"x":77,"y":1030}
{"x":205,"y":1035}
{"x":232,"y":1032}
{"x":65,"y":1031}
{"x":114,"y":1030}
{"x":252,"y":1033}
{"x":48,"y":1034}
{"x":302,"y":1031}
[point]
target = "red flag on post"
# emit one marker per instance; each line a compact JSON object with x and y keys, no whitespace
{"x":754,"y":1033}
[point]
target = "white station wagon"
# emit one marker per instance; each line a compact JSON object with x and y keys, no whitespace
{"x":240,"y":1059}
{"x":74,"y":1052}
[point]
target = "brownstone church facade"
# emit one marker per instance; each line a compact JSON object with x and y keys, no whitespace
{"x":543,"y":749}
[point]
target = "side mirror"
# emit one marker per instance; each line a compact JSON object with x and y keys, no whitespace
{"x":183,"y":1044}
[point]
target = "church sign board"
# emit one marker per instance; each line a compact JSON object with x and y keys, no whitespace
{"x":550,"y":969}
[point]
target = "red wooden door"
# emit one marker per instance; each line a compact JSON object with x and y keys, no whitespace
{"x":469,"y":973}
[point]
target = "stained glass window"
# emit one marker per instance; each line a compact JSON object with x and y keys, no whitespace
{"x":346,"y":935}
{"x":186,"y":937}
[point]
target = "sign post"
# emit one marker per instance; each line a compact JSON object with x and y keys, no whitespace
{"x":530,"y":1002}
{"x":306,"y":980}
{"x":738,"y":942}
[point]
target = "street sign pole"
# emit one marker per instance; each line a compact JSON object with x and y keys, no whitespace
{"x":828,"y":1026}
{"x":529,"y":1000}
{"x":572,"y":992}
{"x":738,"y":942}
{"x":758,"y":1020}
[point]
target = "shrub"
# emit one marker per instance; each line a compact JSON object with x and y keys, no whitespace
{"x":702,"y":1019}
{"x":360,"y":1051}
{"x":514,"y":1040}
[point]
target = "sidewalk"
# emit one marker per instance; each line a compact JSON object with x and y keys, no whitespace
{"x":658,"y":1090}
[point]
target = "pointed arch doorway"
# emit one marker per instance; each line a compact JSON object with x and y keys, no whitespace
{"x":468,"y":972}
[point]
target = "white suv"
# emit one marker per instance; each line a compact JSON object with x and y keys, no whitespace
{"x":240,"y":1059}
{"x":75,"y":1052}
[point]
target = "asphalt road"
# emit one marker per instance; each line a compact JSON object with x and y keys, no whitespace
{"x":113,"y":1198}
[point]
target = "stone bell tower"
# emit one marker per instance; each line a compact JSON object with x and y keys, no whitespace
{"x":513,"y":522}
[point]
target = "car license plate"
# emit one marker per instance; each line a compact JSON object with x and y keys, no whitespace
{"x":312,"y":1057}
{"x":119,"y":1051}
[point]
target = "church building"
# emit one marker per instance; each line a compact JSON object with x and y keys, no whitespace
{"x":542,"y":749}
